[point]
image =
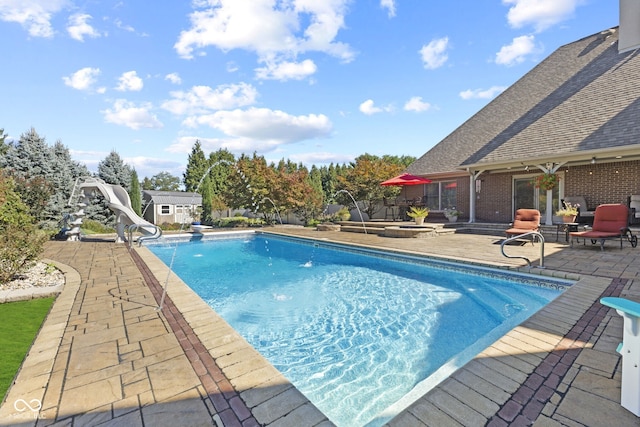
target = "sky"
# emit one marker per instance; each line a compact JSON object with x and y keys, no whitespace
{"x":312,"y":81}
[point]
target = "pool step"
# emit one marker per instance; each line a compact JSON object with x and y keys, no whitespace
{"x":396,"y":229}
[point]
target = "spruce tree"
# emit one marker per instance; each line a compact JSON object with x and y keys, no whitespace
{"x":44,"y":176}
{"x":113,"y":170}
{"x":197,"y":165}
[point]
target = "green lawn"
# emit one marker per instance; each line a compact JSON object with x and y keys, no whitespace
{"x":19,"y":324}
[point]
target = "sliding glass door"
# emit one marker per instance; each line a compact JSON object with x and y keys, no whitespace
{"x":527,"y":196}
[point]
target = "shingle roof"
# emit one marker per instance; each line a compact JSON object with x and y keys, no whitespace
{"x":172,"y":197}
{"x":585,"y":96}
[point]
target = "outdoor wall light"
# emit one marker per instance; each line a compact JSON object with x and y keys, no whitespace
{"x":593,"y":160}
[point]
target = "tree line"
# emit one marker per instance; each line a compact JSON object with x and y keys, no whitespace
{"x":44,"y":177}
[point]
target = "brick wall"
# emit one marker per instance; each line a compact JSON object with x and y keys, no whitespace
{"x":598,"y":183}
{"x":603,"y":183}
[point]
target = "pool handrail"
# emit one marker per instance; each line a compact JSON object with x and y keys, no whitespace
{"x":519,"y":236}
{"x":130,"y":229}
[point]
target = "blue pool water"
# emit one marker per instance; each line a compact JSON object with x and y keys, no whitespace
{"x":354,"y":330}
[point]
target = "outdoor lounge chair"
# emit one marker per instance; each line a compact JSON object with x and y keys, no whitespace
{"x":525,"y":221}
{"x":610,"y":221}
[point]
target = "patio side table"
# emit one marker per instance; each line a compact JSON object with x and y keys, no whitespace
{"x":566,"y":228}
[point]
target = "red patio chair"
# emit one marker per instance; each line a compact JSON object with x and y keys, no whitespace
{"x":525,"y":221}
{"x":610,"y":221}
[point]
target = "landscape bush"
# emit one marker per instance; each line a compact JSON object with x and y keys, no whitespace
{"x":90,"y":226}
{"x":21,"y":242}
{"x":238,"y":221}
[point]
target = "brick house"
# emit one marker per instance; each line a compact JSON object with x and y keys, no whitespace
{"x":576,"y":115}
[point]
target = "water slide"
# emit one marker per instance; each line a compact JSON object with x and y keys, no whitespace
{"x":120,"y":203}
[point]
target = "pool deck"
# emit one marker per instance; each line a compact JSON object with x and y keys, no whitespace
{"x":106,"y":356}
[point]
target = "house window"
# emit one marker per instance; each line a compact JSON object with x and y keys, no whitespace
{"x":441,"y":195}
{"x":165,"y":209}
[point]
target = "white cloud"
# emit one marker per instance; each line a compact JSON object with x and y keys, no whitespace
{"x":542,"y":14}
{"x":203,"y":99}
{"x":287,"y":70}
{"x":434,"y":54}
{"x":369,"y":108}
{"x":482,"y":93}
{"x":173,"y":78}
{"x":129,"y":81}
{"x":261,"y":124}
{"x":82,"y":79}
{"x":516,"y":52}
{"x":417,"y":104}
{"x":390,"y":5}
{"x":34,"y":15}
{"x":275,"y":32}
{"x":78,"y":27}
{"x":127,"y":114}
{"x":125,"y":27}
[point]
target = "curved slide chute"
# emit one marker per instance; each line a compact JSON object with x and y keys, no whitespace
{"x":119,"y":202}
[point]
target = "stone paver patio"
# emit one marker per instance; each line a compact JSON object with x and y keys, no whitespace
{"x":106,"y":356}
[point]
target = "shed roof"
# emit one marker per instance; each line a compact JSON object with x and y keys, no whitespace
{"x":172,"y":197}
{"x":582,"y":99}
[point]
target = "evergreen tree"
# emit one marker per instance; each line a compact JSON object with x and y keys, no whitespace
{"x":135,"y":194}
{"x":29,"y":157}
{"x":207,"y":199}
{"x":197,"y":165}
{"x":221,"y":162}
{"x":113,"y":170}
{"x":66,"y":173}
{"x":3,"y":145}
{"x":44,"y":176}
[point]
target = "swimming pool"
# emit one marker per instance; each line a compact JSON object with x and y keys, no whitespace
{"x":360,"y":333}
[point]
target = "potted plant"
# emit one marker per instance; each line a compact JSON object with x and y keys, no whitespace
{"x":452,"y":214}
{"x":196,"y":213}
{"x":569,"y":212}
{"x":418,"y":213}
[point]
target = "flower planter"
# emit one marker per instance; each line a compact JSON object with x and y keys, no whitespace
{"x":453,"y":219}
{"x":569,"y":219}
{"x":419,"y":220}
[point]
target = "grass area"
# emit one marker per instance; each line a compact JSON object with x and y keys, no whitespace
{"x":20,"y":322}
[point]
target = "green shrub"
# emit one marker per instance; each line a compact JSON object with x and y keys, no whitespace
{"x":238,"y":221}
{"x":166,"y":226}
{"x":21,"y":243}
{"x":343,"y":214}
{"x":90,"y":226}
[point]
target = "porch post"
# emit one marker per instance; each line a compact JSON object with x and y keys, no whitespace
{"x":549,"y":219}
{"x":473,"y":176}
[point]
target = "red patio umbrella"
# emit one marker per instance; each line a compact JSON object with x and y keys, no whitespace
{"x":406,"y":179}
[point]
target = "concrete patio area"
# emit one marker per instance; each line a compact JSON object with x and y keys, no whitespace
{"x":106,"y":356}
